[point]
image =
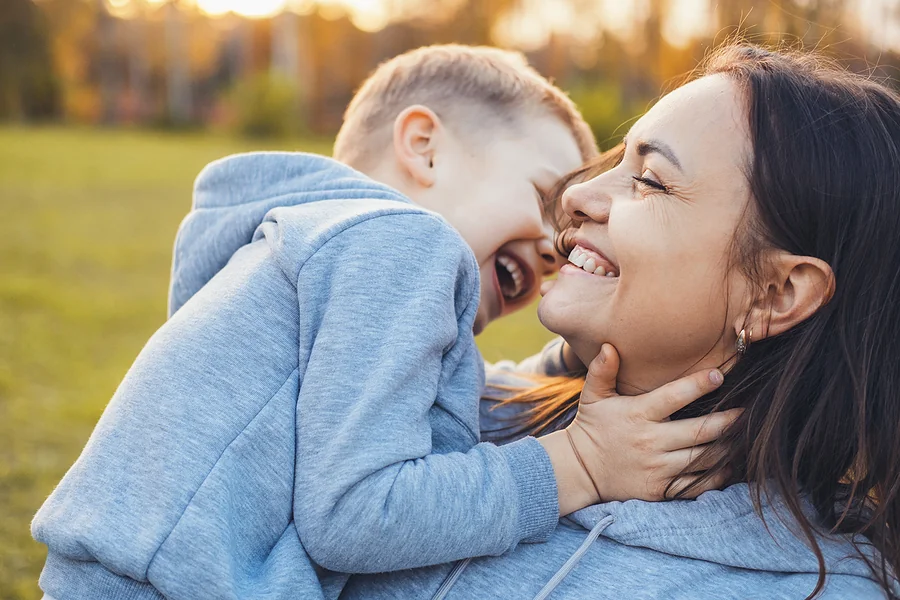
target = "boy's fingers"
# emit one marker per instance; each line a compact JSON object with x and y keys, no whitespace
{"x":717,"y":482}
{"x":679,"y":460}
{"x":697,"y":431}
{"x":601,"y":377}
{"x":672,"y":397}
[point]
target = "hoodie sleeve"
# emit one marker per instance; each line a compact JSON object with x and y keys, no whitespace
{"x":394,"y":299}
{"x":549,"y":362}
{"x":500,"y":421}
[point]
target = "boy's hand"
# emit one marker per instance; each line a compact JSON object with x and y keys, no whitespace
{"x":625,"y":447}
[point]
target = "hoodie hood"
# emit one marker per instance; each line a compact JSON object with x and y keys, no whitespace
{"x":232,"y":197}
{"x":718,"y":529}
{"x":723,"y":527}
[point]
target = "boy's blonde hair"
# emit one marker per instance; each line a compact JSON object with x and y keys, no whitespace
{"x":469,"y":86}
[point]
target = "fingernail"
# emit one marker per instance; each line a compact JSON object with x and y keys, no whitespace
{"x":603,"y":354}
{"x":715,"y":376}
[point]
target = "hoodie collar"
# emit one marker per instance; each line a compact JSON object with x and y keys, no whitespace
{"x":723,"y":527}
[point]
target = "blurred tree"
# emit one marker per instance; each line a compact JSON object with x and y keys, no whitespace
{"x":181,"y":62}
{"x":286,"y":46}
{"x":72,"y":24}
{"x":28,"y":84}
{"x":286,"y":55}
{"x":602,"y":107}
{"x":138,"y":64}
{"x":105,"y":64}
{"x":178,"y":85}
{"x":265,"y":106}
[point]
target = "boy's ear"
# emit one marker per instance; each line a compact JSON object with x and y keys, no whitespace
{"x":798,"y":286}
{"x":416,"y":133}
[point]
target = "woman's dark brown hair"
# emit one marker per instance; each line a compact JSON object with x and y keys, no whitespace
{"x":822,"y":400}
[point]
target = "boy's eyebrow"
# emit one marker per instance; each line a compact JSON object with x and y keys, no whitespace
{"x":543,"y":198}
{"x":543,"y":194}
{"x":657,"y":147}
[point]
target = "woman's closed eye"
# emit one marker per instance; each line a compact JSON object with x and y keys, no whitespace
{"x":648,"y":179}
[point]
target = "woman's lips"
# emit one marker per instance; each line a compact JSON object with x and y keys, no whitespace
{"x":572,"y":270}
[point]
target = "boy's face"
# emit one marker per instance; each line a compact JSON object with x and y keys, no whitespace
{"x":491,"y":192}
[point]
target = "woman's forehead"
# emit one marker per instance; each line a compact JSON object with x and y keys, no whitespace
{"x":704,"y":123}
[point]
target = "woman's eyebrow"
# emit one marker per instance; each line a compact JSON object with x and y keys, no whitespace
{"x":655,"y":146}
{"x":645,"y":148}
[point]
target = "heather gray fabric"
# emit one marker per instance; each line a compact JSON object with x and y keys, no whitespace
{"x":712,"y":548}
{"x":309,"y":410}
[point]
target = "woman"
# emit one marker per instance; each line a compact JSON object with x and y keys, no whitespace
{"x":750,"y":224}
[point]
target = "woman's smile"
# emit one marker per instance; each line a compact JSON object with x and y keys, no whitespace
{"x":592,"y":262}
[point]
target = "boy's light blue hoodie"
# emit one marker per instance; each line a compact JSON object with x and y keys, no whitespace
{"x":714,"y":548}
{"x":310,"y":407}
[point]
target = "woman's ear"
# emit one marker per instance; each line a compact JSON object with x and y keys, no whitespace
{"x":798,"y":286}
{"x":416,"y":135}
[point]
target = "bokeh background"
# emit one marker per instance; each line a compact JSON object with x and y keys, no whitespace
{"x":109,"y":108}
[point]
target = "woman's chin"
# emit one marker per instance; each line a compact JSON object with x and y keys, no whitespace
{"x":545,"y":313}
{"x":555,"y":317}
{"x":567,"y":306}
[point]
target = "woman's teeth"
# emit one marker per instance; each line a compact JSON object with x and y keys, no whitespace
{"x":582,"y":259}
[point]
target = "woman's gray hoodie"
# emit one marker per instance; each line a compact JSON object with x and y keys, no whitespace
{"x":714,"y":547}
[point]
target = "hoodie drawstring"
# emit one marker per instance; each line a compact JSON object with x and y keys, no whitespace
{"x":564,"y":570}
{"x":451,"y":578}
{"x":573,"y":560}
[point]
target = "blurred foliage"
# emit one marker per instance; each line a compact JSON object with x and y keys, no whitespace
{"x":28,"y":83}
{"x":165,"y":61}
{"x":605,"y":110}
{"x":266,"y":105}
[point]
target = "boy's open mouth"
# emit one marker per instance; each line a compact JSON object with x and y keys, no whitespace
{"x":514,"y":275}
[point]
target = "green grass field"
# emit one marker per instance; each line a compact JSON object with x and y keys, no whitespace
{"x":87,"y":220}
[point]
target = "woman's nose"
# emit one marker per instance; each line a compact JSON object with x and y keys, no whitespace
{"x":586,"y":202}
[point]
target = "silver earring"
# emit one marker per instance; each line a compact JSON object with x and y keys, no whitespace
{"x":743,"y":342}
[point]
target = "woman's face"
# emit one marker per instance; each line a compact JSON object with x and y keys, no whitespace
{"x":662,"y":222}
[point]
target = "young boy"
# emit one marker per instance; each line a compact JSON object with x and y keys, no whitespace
{"x":311,"y":407}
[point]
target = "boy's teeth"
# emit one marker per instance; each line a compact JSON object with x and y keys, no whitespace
{"x":515,"y":272}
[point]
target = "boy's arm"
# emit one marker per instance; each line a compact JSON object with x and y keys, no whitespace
{"x":555,"y":359}
{"x":370,"y":495}
{"x":499,"y":421}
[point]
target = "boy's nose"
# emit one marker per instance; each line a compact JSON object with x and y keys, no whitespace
{"x":551,"y":260}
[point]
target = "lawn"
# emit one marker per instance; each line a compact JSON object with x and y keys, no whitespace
{"x":87,"y":220}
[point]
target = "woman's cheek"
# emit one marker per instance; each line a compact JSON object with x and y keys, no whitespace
{"x":661,"y":299}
